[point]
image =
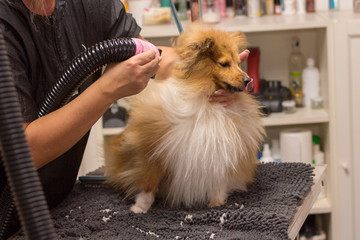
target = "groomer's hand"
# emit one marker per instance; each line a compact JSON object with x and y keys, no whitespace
{"x":244,"y":55}
{"x":222,"y":96}
{"x":129,"y":77}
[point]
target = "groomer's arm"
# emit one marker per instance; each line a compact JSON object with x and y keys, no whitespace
{"x":52,"y":135}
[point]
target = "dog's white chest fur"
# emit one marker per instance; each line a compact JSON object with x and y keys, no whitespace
{"x":202,"y":147}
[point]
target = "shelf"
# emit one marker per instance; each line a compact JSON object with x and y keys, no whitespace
{"x":322,"y":205}
{"x":301,"y":116}
{"x":272,"y":23}
{"x":245,"y":24}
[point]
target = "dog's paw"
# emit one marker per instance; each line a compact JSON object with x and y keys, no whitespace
{"x":218,"y":200}
{"x":143,"y":202}
{"x":137,"y":209}
{"x":216,"y":203}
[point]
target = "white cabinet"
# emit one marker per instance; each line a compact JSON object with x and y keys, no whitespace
{"x":345,"y":32}
{"x":335,"y":46}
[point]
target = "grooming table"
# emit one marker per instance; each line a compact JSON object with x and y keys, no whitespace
{"x":274,"y":208}
{"x":305,"y":206}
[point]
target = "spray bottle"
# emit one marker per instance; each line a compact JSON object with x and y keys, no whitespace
{"x":266,"y":156}
{"x":318,"y":155}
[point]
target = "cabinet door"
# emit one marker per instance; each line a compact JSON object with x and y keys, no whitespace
{"x":347,"y":91}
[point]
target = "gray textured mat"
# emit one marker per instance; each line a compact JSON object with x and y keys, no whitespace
{"x":263,"y":212}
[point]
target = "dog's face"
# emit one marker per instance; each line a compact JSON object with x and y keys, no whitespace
{"x":210,"y":58}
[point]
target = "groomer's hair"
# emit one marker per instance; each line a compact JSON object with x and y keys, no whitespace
{"x":34,"y":4}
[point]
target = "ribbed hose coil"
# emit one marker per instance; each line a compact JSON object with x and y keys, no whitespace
{"x":8,"y":212}
{"x":82,"y":66}
{"x":22,"y":175}
{"x":31,"y":205}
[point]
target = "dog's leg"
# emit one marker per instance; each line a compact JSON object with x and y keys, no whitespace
{"x":219,"y":198}
{"x":143,"y":202}
{"x":150,"y":183}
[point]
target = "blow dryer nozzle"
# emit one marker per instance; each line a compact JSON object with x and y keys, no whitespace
{"x":143,"y":46}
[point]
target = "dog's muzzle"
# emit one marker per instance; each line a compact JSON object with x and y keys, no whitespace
{"x":248,"y":86}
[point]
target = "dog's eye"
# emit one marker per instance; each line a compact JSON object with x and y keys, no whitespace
{"x":224,"y":64}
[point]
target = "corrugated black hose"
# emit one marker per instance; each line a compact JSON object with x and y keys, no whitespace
{"x":88,"y":62}
{"x":22,"y":175}
{"x":85,"y":64}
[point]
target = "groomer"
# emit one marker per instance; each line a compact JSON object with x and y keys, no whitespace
{"x":43,"y":36}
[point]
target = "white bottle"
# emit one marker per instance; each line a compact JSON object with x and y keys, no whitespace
{"x":318,"y":155}
{"x":275,"y":150}
{"x":311,"y":82}
{"x":266,"y":154}
{"x":289,"y":7}
{"x":300,"y":7}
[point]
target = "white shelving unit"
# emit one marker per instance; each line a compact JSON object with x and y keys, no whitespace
{"x":248,"y":25}
{"x":301,"y":116}
{"x":272,"y":35}
{"x":321,"y":206}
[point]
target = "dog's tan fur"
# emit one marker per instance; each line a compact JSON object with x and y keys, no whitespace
{"x":172,"y":124}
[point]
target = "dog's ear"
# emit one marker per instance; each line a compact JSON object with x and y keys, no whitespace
{"x":192,"y":53}
{"x":239,"y":40}
{"x":203,"y":47}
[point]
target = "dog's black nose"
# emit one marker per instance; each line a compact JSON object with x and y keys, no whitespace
{"x":246,"y":80}
{"x":249,"y":84}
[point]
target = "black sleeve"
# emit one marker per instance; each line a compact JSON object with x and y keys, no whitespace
{"x":117,"y":22}
{"x":109,"y":19}
{"x":20,"y":72}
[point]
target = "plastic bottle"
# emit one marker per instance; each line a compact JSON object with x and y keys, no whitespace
{"x":356,"y":6}
{"x":269,"y":7}
{"x":266,"y":154}
{"x":210,"y":11}
{"x":164,"y":3}
{"x":230,"y":11}
{"x":311,"y":82}
{"x":275,"y":150}
{"x":310,"y":6}
{"x":318,"y":159}
{"x":254,"y":8}
{"x":333,"y":5}
{"x":300,"y":7}
{"x":296,"y":66}
{"x":222,"y":8}
{"x":318,"y":155}
{"x":240,"y":8}
{"x":182,"y":10}
{"x":277,"y":7}
{"x":289,"y":7}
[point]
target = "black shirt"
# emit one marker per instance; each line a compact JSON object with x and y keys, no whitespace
{"x":40,"y":48}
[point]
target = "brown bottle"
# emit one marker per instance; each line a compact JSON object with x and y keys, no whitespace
{"x":277,"y":7}
{"x":310,"y":6}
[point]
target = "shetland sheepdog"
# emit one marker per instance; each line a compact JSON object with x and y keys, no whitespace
{"x":181,"y":148}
